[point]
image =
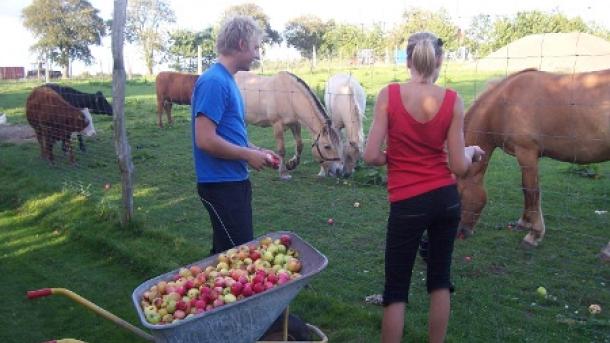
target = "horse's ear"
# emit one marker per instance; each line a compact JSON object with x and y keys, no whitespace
{"x":98,"y":93}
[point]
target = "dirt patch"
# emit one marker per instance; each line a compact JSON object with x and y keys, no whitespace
{"x":17,"y":134}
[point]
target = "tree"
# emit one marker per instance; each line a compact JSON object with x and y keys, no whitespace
{"x":478,"y":35}
{"x":507,"y":29}
{"x":256,"y":12}
{"x":145,"y":26}
{"x":64,"y":30}
{"x":438,"y":22}
{"x":306,"y":32}
{"x":183,"y":49}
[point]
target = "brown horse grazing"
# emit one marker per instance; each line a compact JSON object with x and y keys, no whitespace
{"x":285,"y":101}
{"x":173,"y":88}
{"x":533,"y":114}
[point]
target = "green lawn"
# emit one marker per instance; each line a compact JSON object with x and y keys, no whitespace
{"x":59,"y":228}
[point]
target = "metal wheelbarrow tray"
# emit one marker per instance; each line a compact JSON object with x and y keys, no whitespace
{"x":245,"y":320}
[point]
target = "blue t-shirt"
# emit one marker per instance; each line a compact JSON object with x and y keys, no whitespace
{"x":217,"y":96}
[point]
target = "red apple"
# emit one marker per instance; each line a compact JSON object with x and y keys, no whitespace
{"x":236,"y":288}
{"x":179,"y":314}
{"x":195,"y":270}
{"x":219,"y":282}
{"x":258,"y":287}
{"x":247,"y":290}
{"x":258,"y":278}
{"x":286,"y":240}
{"x":255,"y":255}
{"x":181,"y":305}
{"x":218,"y":302}
{"x":200,"y":304}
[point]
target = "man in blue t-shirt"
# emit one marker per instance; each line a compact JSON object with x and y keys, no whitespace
{"x":221,"y":150}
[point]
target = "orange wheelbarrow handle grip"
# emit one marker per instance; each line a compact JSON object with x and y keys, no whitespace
{"x":39,"y":293}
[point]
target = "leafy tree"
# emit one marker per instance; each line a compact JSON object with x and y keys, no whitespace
{"x":597,"y":30}
{"x":478,"y":35}
{"x":346,"y":40}
{"x":507,"y":29}
{"x":306,"y":32}
{"x":183,"y":49}
{"x":256,"y":12}
{"x":145,"y":24}
{"x":438,"y":22}
{"x":64,"y":30}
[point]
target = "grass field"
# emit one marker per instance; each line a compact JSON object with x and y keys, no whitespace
{"x":59,"y":228}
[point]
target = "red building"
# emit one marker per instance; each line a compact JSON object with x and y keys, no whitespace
{"x":12,"y":73}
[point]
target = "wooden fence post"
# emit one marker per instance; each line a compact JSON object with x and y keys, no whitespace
{"x":121,"y":145}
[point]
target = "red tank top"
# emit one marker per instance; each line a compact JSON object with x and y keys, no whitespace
{"x":416,"y":155}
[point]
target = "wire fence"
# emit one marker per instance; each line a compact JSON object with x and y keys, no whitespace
{"x":575,"y":198}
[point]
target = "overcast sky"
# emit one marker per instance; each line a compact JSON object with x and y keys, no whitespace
{"x":198,"y":14}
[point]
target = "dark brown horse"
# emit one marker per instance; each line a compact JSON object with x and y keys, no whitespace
{"x":533,"y":114}
{"x":173,"y":88}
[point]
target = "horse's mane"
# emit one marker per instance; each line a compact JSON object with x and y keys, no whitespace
{"x":317,"y":102}
{"x":492,"y":87}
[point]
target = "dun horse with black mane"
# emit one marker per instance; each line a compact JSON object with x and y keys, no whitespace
{"x":533,"y":114}
{"x":285,"y":101}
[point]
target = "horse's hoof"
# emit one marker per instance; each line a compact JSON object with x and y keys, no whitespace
{"x":285,"y":177}
{"x":525,"y":244}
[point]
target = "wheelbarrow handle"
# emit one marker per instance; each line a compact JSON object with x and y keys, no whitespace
{"x":39,"y":293}
{"x":91,"y":306}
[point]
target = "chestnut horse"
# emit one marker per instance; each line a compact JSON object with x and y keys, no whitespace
{"x":285,"y":101}
{"x":173,"y":88}
{"x":533,"y":114}
{"x":345,"y":100}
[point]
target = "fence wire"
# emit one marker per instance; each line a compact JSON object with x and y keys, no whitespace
{"x":575,"y":199}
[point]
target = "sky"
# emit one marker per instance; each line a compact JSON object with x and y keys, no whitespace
{"x":198,"y":14}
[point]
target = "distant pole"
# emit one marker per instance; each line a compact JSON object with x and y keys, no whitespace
{"x":260,"y":53}
{"x":121,"y":145}
{"x":199,"y":61}
{"x":47,"y":72}
{"x":313,"y":57}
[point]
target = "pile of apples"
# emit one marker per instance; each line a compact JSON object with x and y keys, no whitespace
{"x":238,"y":273}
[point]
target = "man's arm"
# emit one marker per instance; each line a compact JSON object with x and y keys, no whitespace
{"x":207,"y":140}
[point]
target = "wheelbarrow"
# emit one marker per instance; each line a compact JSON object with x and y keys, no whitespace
{"x":245,"y":320}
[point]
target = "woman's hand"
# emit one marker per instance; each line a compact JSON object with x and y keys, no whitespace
{"x":474,"y":153}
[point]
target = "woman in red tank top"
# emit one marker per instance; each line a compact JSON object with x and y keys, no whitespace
{"x":421,"y":125}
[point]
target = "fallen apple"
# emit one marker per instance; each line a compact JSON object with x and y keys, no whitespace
{"x":541,"y":291}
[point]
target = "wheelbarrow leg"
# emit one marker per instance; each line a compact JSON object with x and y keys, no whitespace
{"x":285,"y":335}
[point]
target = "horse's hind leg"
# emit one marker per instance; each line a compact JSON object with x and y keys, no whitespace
{"x":298,"y":149}
{"x":532,"y":211}
{"x":278,"y":132}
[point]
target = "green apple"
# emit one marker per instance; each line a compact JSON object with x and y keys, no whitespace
{"x":541,"y":291}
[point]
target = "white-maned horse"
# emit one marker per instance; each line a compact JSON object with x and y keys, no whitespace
{"x":346,"y":102}
{"x":285,"y":101}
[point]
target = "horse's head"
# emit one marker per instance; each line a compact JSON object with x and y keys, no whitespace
{"x":351,"y":155}
{"x":473,"y":198}
{"x":327,"y":150}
